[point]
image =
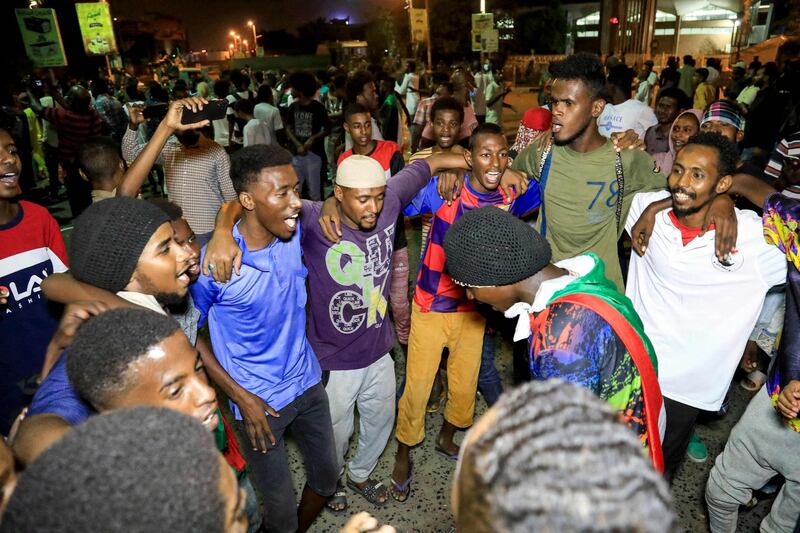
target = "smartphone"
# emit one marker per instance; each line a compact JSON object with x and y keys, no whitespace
{"x":155,"y":111}
{"x":213,"y":110}
{"x":38,"y":83}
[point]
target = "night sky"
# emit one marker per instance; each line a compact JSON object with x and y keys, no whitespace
{"x":207,"y":22}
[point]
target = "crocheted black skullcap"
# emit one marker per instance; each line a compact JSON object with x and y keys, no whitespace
{"x":108,"y":239}
{"x":487,"y":247}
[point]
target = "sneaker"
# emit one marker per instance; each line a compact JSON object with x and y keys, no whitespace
{"x":696,"y":450}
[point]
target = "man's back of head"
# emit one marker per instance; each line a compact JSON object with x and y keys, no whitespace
{"x":550,"y":456}
{"x":99,"y":160}
{"x":137,"y":470}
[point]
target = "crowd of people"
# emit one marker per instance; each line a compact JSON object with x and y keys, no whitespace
{"x":636,"y":242}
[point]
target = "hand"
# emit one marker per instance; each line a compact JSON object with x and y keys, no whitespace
{"x":254,"y":415}
{"x":723,"y":216}
{"x":513,"y":184}
{"x":329,"y":221}
{"x":449,"y":185}
{"x":173,"y":118}
{"x":364,"y":522}
{"x":749,"y":360}
{"x":627,"y":140}
{"x":135,"y":116}
{"x":301,"y":149}
{"x":73,"y":318}
{"x":4,"y":292}
{"x":223,"y":255}
{"x":789,"y":399}
{"x":642,"y":230}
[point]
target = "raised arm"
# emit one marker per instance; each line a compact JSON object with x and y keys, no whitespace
{"x":134,"y":178}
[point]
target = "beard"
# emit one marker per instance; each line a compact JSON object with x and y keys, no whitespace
{"x":691,"y":210}
{"x":163,"y":298}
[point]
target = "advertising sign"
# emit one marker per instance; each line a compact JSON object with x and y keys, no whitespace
{"x":97,"y":31}
{"x":419,"y":24}
{"x":39,"y":29}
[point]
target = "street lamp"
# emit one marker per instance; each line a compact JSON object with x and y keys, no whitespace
{"x":230,"y":51}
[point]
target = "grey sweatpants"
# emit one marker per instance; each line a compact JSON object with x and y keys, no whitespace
{"x":372,"y":390}
{"x":760,"y":446}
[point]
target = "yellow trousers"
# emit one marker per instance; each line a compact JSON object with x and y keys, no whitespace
{"x":431,"y":332}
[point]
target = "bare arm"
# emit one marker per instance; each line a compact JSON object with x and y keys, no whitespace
{"x":65,"y":289}
{"x":134,"y":178}
{"x":222,"y":250}
{"x":752,"y":188}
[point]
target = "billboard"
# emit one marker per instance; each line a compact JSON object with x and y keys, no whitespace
{"x":39,"y":29}
{"x":97,"y":31}
{"x":480,"y":22}
{"x":419,"y":25}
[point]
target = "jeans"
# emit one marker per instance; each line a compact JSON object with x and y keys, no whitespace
{"x":309,"y":168}
{"x":309,"y":418}
{"x":488,"y":377}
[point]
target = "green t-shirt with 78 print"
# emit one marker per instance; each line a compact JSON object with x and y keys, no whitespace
{"x":580,"y":200}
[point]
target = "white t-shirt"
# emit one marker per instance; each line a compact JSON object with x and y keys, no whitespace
{"x":629,"y":115}
{"x":236,"y":135}
{"x":698,"y":312}
{"x":494,"y":112}
{"x":257,"y":132}
{"x":270,"y":115}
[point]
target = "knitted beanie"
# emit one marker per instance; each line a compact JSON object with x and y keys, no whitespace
{"x":487,"y":247}
{"x":108,"y":239}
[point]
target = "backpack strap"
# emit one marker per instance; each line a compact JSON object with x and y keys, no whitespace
{"x":544,"y":170}
{"x":651,"y":391}
{"x":620,"y":188}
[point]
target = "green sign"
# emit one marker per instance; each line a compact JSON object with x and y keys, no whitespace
{"x":39,"y":29}
{"x":97,"y":31}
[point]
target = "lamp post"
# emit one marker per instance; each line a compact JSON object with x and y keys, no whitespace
{"x":230,"y":51}
{"x":245,"y":48}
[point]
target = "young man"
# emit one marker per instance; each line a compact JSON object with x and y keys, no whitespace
{"x":137,"y":470}
{"x":441,"y":316}
{"x":495,"y":93}
{"x":669,"y":105}
{"x":705,"y":92}
{"x":580,"y":174}
{"x":75,"y":120}
{"x":679,"y":276}
{"x":349,"y":285}
{"x":360,"y":89}
{"x":31,"y":249}
{"x":358,"y":124}
{"x":266,"y":111}
{"x":441,"y":87}
{"x":196,"y":169}
{"x":686,"y":83}
{"x":579,"y":327}
{"x":647,"y":81}
{"x":100,"y":163}
{"x":764,"y":442}
{"x":241,"y":91}
{"x":255,"y":131}
{"x":393,"y":116}
{"x":623,"y":112}
{"x":512,"y":454}
{"x":409,"y":88}
{"x":307,"y":125}
{"x":257,"y":323}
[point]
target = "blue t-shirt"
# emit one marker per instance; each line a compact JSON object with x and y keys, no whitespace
{"x":56,"y":396}
{"x":258,"y":322}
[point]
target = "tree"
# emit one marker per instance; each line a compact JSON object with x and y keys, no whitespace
{"x":543,"y":30}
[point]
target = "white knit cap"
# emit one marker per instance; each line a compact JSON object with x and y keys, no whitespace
{"x":360,"y":172}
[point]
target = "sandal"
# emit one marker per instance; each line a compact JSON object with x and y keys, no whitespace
{"x":401,"y":491}
{"x":339,"y":498}
{"x":371,"y":492}
{"x":754,"y":381}
{"x":447,"y":455}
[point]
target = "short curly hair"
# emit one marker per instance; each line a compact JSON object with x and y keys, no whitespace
{"x":728,"y":154}
{"x":247,"y":163}
{"x":584,"y":67}
{"x":132,"y":470}
{"x":447,"y":103}
{"x":105,"y":348}
{"x":303,"y":82}
{"x":556,"y":458}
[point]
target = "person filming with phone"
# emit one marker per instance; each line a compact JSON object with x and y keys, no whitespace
{"x":196,"y":169}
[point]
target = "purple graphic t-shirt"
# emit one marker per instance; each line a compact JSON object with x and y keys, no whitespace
{"x":348,"y":282}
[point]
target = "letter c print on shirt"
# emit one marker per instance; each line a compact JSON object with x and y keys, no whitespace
{"x":349,"y":267}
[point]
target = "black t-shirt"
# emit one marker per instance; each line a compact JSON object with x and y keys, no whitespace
{"x":308,"y":120}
